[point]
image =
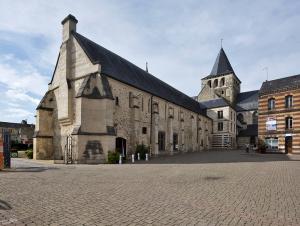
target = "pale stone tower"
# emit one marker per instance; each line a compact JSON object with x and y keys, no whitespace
{"x":221,"y":82}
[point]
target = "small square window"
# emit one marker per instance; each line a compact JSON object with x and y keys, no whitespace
{"x":144,"y":130}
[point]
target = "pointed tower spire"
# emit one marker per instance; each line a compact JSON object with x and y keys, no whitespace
{"x":222,"y":64}
{"x":147,"y":66}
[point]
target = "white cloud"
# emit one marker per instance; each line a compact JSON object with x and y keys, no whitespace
{"x":21,"y":76}
{"x":19,"y":97}
{"x":179,"y":39}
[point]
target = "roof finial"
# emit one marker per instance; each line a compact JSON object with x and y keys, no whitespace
{"x":146,"y":66}
{"x":221,"y":42}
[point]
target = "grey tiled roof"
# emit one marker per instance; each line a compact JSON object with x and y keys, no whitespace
{"x":251,"y":130}
{"x":278,"y":85}
{"x":14,"y":125}
{"x":124,"y":71}
{"x":222,"y":66}
{"x":220,"y":102}
{"x":247,"y":101}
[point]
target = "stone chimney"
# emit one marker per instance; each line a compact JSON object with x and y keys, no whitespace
{"x":69,"y":25}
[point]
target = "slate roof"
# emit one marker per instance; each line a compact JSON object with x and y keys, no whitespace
{"x":14,"y":125}
{"x":252,"y":130}
{"x":222,"y":66}
{"x":247,"y":101}
{"x":280,"y":85}
{"x":124,"y":71}
{"x":215,"y":103}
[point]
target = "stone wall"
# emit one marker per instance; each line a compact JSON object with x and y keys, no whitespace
{"x":82,"y":102}
{"x":133,"y":112}
{"x":226,"y":86}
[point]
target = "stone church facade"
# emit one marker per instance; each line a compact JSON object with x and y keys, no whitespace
{"x":99,"y":102}
{"x":234,"y":113}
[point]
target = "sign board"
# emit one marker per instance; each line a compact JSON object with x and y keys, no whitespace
{"x":288,"y":135}
{"x":271,"y":124}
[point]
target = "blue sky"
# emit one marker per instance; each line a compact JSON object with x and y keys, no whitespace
{"x":179,"y":39}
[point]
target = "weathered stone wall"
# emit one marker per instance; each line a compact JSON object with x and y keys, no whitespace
{"x":226,"y":86}
{"x":229,"y":119}
{"x":90,"y":114}
{"x":133,"y":112}
{"x":247,"y":116}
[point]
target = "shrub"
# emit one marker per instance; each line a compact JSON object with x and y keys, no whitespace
{"x":142,"y":149}
{"x":29,"y":154}
{"x":113,"y":157}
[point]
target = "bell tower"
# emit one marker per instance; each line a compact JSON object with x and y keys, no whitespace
{"x":221,"y":82}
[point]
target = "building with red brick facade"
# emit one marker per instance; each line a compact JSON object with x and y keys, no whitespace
{"x":279,"y":115}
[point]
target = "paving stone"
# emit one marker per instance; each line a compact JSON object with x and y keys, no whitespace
{"x":208,"y":188}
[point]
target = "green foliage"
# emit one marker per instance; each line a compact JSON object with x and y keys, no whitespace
{"x":142,"y":149}
{"x":113,"y":157}
{"x":29,"y":154}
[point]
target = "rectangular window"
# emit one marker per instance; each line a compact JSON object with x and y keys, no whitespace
{"x":289,"y":101}
{"x":175,"y":142}
{"x":161,"y":141}
{"x":288,"y":123}
{"x":144,"y":130}
{"x":220,"y":126}
{"x":271,"y":104}
{"x":117,"y":101}
{"x":272,"y":142}
{"x":220,"y":114}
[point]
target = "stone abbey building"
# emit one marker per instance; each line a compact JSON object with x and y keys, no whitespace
{"x":97,"y":101}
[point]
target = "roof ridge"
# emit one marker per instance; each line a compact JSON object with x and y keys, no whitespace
{"x":137,"y":77}
{"x":286,"y":77}
{"x":134,"y":65}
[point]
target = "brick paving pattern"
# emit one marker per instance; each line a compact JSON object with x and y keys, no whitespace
{"x":216,"y":188}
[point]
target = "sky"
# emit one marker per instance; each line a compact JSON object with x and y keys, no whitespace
{"x":179,"y":39}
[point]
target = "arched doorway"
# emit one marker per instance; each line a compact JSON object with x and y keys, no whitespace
{"x":121,"y":146}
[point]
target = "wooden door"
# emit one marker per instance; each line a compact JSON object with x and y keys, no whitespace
{"x":288,"y":144}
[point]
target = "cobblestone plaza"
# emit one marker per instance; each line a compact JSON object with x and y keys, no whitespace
{"x":208,"y":188}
